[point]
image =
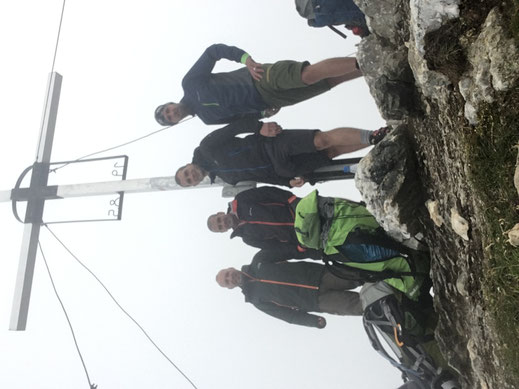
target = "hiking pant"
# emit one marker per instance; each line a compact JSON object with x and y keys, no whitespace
{"x":293,"y":153}
{"x":282,"y":84}
{"x":336,"y":298}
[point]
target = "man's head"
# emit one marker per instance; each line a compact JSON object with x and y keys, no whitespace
{"x":190,"y":175}
{"x":170,"y":114}
{"x":229,"y":278}
{"x":220,"y":222}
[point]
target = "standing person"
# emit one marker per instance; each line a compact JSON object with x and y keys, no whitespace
{"x":257,"y":90}
{"x":290,"y":290}
{"x":269,"y":155}
{"x":264,"y":218}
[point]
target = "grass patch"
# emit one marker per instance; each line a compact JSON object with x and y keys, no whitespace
{"x":493,"y":159}
{"x":492,"y":165}
{"x":514,"y":20}
{"x":443,"y":51}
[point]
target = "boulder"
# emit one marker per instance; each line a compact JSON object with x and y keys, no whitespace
{"x":386,"y":19}
{"x":388,"y":181}
{"x":494,"y":61}
{"x":389,"y":77}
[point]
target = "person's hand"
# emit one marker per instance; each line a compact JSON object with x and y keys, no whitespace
{"x":270,"y":129}
{"x":270,"y":112}
{"x":297,"y":182}
{"x":321,"y":322}
{"x":255,"y":69}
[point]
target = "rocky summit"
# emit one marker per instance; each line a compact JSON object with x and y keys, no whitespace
{"x":429,"y":73}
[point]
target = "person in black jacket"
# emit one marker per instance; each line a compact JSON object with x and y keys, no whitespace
{"x":269,"y":155}
{"x":290,"y":290}
{"x":264,"y":218}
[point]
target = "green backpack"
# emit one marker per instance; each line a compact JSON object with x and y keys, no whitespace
{"x":402,"y":273}
{"x":323,"y":223}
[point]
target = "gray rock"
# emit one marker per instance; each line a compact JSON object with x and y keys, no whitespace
{"x":392,"y":59}
{"x":459,"y":224}
{"x":389,"y":185}
{"x":389,"y":77}
{"x":513,"y":235}
{"x":495,"y":65}
{"x":434,"y":213}
{"x":385,"y":19}
{"x":430,"y":83}
{"x":377,"y":56}
{"x":425,"y":17}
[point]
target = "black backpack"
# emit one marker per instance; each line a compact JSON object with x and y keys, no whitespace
{"x":402,"y":331}
{"x":320,"y":13}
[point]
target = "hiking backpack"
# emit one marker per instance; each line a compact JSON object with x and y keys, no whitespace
{"x":332,"y":224}
{"x":402,"y":331}
{"x":325,"y":222}
{"x":321,"y":13}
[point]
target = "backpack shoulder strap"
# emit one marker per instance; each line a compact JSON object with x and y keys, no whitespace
{"x":344,"y":271}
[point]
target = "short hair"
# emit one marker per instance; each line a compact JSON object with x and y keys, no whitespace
{"x":160,"y":118}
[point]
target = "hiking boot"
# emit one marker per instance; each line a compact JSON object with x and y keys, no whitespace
{"x":360,"y":31}
{"x":376,"y":136}
{"x":445,"y":381}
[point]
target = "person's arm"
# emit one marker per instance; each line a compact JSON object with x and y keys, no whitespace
{"x":278,"y":180}
{"x":280,"y":252}
{"x":291,"y":315}
{"x":270,"y":112}
{"x":253,"y":242}
{"x":273,"y":180}
{"x":255,"y":69}
{"x":222,"y":135}
{"x":307,"y":253}
{"x":241,"y":116}
{"x":266,"y":194}
{"x":204,"y":66}
{"x":270,"y":129}
{"x":256,"y":116}
{"x":296,"y":182}
{"x":271,"y":256}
